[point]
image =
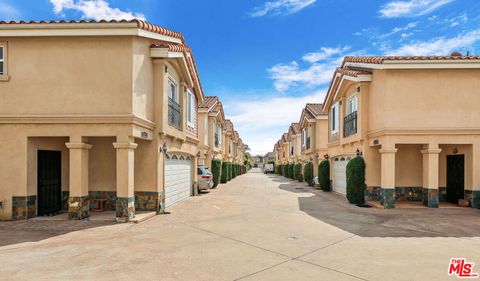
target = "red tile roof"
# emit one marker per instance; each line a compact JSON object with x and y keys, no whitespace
{"x":382,"y":59}
{"x":192,"y":67}
{"x":208,"y":102}
{"x":315,"y":109}
{"x":295,"y":128}
{"x":140,"y":24}
{"x":228,"y":125}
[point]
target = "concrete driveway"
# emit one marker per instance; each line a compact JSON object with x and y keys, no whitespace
{"x":256,"y":227}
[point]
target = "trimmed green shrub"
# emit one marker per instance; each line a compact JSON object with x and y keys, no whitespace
{"x":356,"y":180}
{"x":216,"y":171}
{"x":230,"y":172}
{"x":300,"y":178}
{"x":285,"y":170}
{"x":224,"y":175}
{"x":234,"y":170}
{"x":308,"y":173}
{"x":292,"y":171}
{"x":298,"y":172}
{"x":278,"y":169}
{"x":324,"y":175}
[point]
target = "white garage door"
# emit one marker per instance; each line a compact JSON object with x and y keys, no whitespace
{"x":178,"y":173}
{"x":340,"y":174}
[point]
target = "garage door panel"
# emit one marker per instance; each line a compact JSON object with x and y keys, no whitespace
{"x":177,"y":180}
{"x":340,"y":175}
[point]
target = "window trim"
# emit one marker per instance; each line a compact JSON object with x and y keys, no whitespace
{"x":4,"y":76}
{"x":191,"y":104}
{"x":349,"y":100}
{"x":171,"y":81}
{"x":335,"y":118}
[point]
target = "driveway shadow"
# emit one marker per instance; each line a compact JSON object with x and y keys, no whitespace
{"x":15,"y":232}
{"x":335,"y":210}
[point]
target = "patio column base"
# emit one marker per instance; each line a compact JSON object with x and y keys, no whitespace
{"x":388,"y":198}
{"x":149,"y":201}
{"x":473,"y":196}
{"x":430,"y":198}
{"x":125,"y":208}
{"x":78,"y":207}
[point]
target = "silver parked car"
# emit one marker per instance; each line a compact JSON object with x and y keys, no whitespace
{"x":205,"y":178}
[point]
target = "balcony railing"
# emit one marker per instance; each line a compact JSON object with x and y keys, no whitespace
{"x":350,"y":124}
{"x":174,"y":117}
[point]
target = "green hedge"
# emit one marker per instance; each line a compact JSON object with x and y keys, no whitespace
{"x":285,"y":170}
{"x":324,"y":175}
{"x":356,"y":180}
{"x":216,"y":172}
{"x":308,"y":173}
{"x":278,"y":169}
{"x":234,"y":171}
{"x":298,"y":172}
{"x":230,"y":171}
{"x":224,"y":175}
{"x":291,"y":171}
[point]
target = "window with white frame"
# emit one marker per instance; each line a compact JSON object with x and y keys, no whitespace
{"x":304,"y":137}
{"x":205,"y":128}
{"x":172,"y":90}
{"x":334,"y":118}
{"x":352,"y":104}
{"x":191,"y":106}
{"x":2,"y":60}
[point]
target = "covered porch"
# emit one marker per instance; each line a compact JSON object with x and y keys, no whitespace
{"x":406,"y":173}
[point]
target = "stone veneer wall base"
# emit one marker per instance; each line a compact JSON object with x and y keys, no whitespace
{"x":125,"y":208}
{"x":473,"y":196}
{"x":24,"y":207}
{"x":78,"y":207}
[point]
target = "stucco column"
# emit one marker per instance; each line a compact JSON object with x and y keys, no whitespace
{"x":472,"y":193}
{"x":125,"y":205}
{"x":430,"y":176}
{"x":78,"y":200}
{"x":388,"y":177}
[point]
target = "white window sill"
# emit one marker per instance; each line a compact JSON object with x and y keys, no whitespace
{"x":4,"y":78}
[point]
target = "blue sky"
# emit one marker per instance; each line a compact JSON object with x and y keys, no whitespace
{"x":266,"y":59}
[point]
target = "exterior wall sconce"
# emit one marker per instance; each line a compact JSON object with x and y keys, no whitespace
{"x":455,"y":150}
{"x":317,"y":155}
{"x":164,"y":148}
{"x":326,"y":156}
{"x":359,"y":153}
{"x":198,"y":154}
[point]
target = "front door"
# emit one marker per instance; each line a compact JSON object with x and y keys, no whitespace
{"x":455,"y":178}
{"x":49,"y":182}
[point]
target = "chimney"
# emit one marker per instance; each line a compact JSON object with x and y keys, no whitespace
{"x":456,"y":54}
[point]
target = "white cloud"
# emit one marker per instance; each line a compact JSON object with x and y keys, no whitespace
{"x":276,"y":113}
{"x":438,"y":46}
{"x":279,"y":7}
{"x":411,"y":8}
{"x":8,"y":12}
{"x":318,"y":71}
{"x":324,"y":53}
{"x":94,"y":9}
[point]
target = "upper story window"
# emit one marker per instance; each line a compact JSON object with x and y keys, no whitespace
{"x":309,"y":131}
{"x":172,"y":90}
{"x":352,"y":104}
{"x":205,"y":128}
{"x":191,"y":107}
{"x":3,"y":65}
{"x":291,"y":148}
{"x":334,"y":118}
{"x":350,"y":119}
{"x":174,"y":116}
{"x":304,"y":137}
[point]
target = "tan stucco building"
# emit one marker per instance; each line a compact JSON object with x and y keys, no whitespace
{"x":416,"y":122}
{"x":96,"y":111}
{"x":313,"y":127}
